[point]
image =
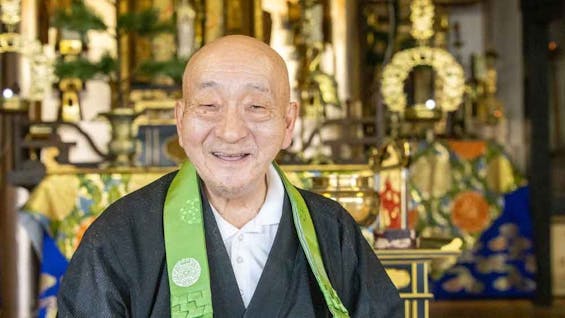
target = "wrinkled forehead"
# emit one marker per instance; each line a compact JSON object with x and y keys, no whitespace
{"x":233,"y":67}
{"x":253,"y":63}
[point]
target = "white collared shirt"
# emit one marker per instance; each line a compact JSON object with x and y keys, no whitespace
{"x":249,"y":247}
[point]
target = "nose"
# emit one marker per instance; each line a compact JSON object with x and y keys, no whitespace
{"x":232,"y":127}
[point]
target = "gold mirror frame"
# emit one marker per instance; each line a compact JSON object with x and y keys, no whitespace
{"x":450,"y":77}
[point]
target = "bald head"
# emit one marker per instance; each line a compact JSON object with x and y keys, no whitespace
{"x":240,"y":53}
{"x":235,"y":116}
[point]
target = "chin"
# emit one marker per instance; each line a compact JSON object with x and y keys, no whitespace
{"x":227,"y":190}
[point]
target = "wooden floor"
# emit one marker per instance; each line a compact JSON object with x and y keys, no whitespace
{"x":495,"y":309}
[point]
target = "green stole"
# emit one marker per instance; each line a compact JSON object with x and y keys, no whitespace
{"x":185,"y":246}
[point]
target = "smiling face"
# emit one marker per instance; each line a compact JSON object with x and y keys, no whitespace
{"x":235,"y":115}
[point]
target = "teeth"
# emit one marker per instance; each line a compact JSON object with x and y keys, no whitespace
{"x":229,"y":156}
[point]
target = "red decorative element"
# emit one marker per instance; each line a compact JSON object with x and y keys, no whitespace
{"x":470,"y":212}
{"x":82,"y":227}
{"x":390,"y":204}
{"x":413,"y":218}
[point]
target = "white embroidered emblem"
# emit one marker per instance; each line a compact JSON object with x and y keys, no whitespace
{"x":189,"y":213}
{"x":186,"y":272}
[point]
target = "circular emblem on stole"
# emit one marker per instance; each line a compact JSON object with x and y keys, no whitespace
{"x":186,"y":272}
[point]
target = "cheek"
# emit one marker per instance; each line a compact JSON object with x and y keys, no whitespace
{"x":194,"y":132}
{"x":269,"y":135}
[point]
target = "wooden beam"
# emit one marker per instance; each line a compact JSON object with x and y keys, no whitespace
{"x":537,"y":15}
{"x":8,"y":219}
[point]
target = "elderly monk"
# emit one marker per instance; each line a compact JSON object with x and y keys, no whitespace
{"x":227,"y":235}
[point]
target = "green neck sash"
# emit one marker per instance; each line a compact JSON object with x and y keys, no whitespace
{"x":185,"y":246}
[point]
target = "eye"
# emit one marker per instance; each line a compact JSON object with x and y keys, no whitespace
{"x":258,"y":112}
{"x":206,"y":109}
{"x":257,"y":107}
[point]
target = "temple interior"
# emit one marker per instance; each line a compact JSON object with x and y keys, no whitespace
{"x":438,"y":124}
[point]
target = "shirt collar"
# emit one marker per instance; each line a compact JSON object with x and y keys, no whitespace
{"x":271,"y":211}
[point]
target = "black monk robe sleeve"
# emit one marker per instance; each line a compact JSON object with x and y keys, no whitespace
{"x":376,"y":295}
{"x":93,"y":286}
{"x":119,"y":268}
{"x":353,"y":268}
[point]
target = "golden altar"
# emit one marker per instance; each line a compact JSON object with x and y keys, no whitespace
{"x":409,"y":271}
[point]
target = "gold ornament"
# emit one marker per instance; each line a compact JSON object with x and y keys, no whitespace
{"x":11,"y":12}
{"x":450,"y":77}
{"x":422,"y":18}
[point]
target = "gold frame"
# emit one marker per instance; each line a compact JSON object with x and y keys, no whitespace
{"x":450,"y":74}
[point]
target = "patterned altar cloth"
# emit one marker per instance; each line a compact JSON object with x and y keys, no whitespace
{"x":470,"y":190}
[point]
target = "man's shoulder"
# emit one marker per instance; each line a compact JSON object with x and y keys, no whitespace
{"x":140,"y":210}
{"x":326,"y":210}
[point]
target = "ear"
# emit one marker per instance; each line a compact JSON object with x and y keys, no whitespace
{"x":290,"y":120}
{"x":179,"y":112}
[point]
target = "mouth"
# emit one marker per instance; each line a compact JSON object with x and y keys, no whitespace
{"x":230,"y":156}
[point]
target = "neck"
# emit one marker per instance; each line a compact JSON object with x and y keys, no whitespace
{"x":240,"y":209}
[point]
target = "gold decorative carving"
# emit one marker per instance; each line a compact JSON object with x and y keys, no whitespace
{"x":49,"y":156}
{"x":449,"y":82}
{"x":70,"y":103}
{"x":13,"y":104}
{"x":40,"y":65}
{"x":10,"y":12}
{"x":422,"y":18}
{"x":400,"y":278}
{"x":121,"y":148}
{"x":450,"y":77}
{"x":70,"y":47}
{"x":10,"y":42}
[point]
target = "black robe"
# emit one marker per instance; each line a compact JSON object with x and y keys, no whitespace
{"x":119,"y":269}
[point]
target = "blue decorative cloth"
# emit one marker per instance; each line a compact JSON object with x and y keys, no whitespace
{"x":53,"y":267}
{"x":502,"y":262}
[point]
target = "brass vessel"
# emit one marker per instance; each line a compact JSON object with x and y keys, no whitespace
{"x":121,"y":149}
{"x":355,"y":192}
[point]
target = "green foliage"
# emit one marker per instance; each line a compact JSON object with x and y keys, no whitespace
{"x":79,"y":18}
{"x":84,"y":69}
{"x":144,"y":23}
{"x":79,"y":68}
{"x":107,"y":65}
{"x":172,"y":68}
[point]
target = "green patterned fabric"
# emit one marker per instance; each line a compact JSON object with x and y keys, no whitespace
{"x":185,"y":244}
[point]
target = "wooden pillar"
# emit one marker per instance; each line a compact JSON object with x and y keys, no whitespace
{"x":536,"y":16}
{"x":8,"y":221}
{"x":214,"y":21}
{"x":346,"y":40}
{"x":243,"y":17}
{"x":9,"y":78}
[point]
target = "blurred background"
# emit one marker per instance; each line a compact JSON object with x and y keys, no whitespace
{"x":439,"y":125}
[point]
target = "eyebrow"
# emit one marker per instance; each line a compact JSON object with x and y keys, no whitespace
{"x":208,"y":84}
{"x":259,"y":87}
{"x":256,"y":86}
